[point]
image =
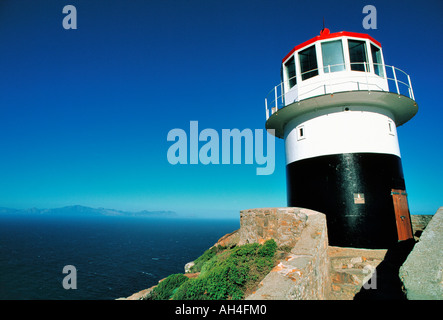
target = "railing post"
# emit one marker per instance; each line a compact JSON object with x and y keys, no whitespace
{"x":282,"y":94}
{"x":276,"y":101}
{"x":410,"y":88}
{"x":329,"y":75}
{"x":366,"y":76}
{"x":395,"y":79}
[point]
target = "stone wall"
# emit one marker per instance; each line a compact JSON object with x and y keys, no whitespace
{"x":304,"y":273}
{"x":284,"y":225}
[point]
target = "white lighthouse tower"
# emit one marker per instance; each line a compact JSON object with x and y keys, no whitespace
{"x":337,"y":108}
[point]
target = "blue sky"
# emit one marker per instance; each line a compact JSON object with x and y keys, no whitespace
{"x":84,"y":114}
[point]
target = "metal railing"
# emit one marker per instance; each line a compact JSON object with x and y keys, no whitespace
{"x":276,"y":97}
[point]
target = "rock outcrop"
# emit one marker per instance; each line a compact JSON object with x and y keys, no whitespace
{"x":229,"y":240}
{"x":422,"y":272}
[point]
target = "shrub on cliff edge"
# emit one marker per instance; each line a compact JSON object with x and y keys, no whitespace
{"x":230,"y":274}
{"x":206,"y":256}
{"x":166,"y":288}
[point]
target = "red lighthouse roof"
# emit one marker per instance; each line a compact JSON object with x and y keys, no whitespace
{"x":325,"y":34}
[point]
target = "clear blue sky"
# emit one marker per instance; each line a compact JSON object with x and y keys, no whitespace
{"x":84,"y":114}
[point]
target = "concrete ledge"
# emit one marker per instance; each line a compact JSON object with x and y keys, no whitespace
{"x":422,"y":272}
{"x":304,"y":274}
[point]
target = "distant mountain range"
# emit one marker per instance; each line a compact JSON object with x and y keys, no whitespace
{"x":82,"y":210}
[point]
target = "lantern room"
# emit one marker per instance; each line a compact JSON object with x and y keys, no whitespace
{"x":333,"y":62}
{"x":348,"y":66}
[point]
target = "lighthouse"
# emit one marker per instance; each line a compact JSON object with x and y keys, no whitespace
{"x":337,"y":108}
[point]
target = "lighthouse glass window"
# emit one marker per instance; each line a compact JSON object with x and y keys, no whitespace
{"x":376,"y":58}
{"x":357,"y":55}
{"x":333,"y":59}
{"x":308,"y":63}
{"x":290,"y":72}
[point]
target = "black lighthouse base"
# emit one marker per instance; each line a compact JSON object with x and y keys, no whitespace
{"x":353,"y":190}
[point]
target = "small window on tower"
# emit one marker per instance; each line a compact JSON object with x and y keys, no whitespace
{"x":301,"y":133}
{"x":391,"y":128}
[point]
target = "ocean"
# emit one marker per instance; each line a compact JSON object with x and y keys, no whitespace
{"x":113,"y":256}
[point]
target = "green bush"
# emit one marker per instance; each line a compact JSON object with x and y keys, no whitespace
{"x":206,"y":256}
{"x":167,"y":287}
{"x":229,"y":274}
{"x":268,"y":249}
